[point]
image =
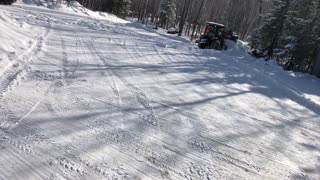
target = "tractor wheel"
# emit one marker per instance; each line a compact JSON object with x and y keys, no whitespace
{"x":201,"y":46}
{"x":216,"y":45}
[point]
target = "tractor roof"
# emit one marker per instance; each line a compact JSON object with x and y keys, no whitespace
{"x":215,"y":24}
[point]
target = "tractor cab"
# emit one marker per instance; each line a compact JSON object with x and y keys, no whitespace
{"x":214,"y":30}
{"x":213,"y":36}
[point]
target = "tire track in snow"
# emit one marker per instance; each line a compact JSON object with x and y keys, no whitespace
{"x":17,"y":71}
{"x":64,"y":59}
{"x":161,"y":161}
{"x":160,"y":54}
{"x":105,"y":170}
{"x":206,"y":148}
{"x":8,"y":82}
{"x":37,"y":47}
{"x":67,"y":77}
{"x":13,"y":76}
{"x":31,"y":148}
{"x":19,"y":144}
{"x":203,"y":143}
{"x":14,"y":157}
{"x":10,"y":79}
{"x":63,"y":157}
{"x":114,"y":86}
{"x":150,"y":118}
{"x":13,"y":120}
{"x":142,"y":98}
{"x":78,"y":43}
{"x":67,"y":73}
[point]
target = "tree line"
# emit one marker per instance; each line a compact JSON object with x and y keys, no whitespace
{"x":290,"y":33}
{"x":188,"y":16}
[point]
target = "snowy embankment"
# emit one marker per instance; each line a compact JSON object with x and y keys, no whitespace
{"x":303,"y":87}
{"x":86,"y":95}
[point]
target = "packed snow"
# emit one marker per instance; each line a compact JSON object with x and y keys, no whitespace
{"x":87,"y":95}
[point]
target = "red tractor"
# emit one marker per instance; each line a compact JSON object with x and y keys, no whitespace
{"x":214,"y":37}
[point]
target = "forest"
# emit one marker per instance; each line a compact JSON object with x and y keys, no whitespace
{"x":286,"y":30}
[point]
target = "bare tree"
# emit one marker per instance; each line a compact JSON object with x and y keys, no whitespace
{"x":183,"y":16}
{"x":197,"y":19}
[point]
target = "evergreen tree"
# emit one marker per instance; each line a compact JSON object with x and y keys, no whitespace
{"x":167,"y":13}
{"x":271,"y":28}
{"x":293,"y":29}
{"x":121,"y":7}
{"x":299,"y":25}
{"x":316,"y":31}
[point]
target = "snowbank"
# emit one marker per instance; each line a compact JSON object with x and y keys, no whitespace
{"x":74,"y":8}
{"x":304,"y":87}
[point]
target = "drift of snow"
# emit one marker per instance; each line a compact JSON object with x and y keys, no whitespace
{"x":86,"y":95}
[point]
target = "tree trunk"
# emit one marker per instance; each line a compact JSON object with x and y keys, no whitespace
{"x":183,"y":16}
{"x":316,"y":68}
{"x":196,"y":20}
{"x":145,"y":16}
{"x":260,"y":12}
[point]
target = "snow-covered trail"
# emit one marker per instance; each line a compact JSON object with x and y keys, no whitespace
{"x":95,"y":99}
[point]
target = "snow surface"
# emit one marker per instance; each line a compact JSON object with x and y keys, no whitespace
{"x":86,"y":95}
